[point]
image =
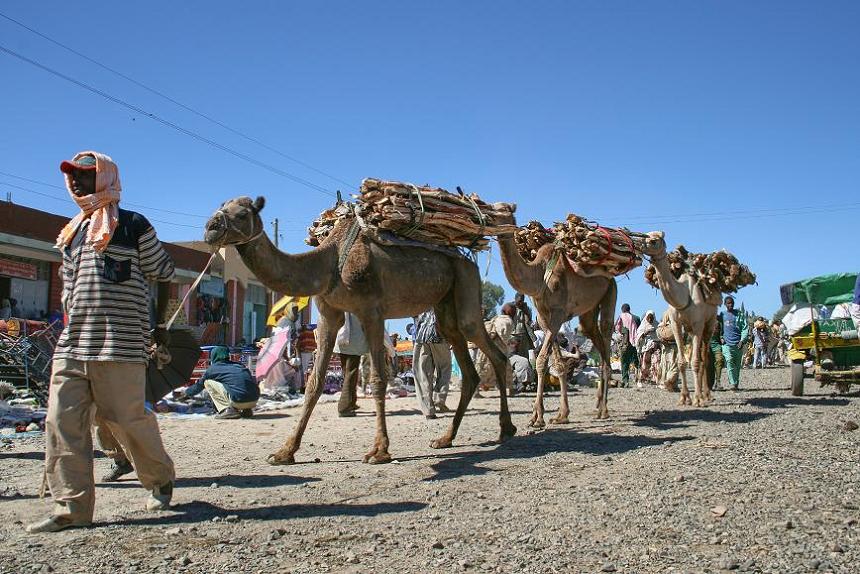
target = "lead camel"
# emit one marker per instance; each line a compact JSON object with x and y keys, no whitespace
{"x":374,"y":282}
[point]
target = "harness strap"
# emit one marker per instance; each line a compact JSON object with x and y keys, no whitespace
{"x":351,"y":236}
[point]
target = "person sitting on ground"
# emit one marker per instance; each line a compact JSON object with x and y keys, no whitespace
{"x":231,"y":386}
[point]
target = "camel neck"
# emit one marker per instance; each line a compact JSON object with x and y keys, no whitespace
{"x":675,"y":292}
{"x":523,"y":276}
{"x":305,"y":274}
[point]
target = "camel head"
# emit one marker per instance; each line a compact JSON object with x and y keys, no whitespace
{"x":654,"y":244}
{"x":236,"y":222}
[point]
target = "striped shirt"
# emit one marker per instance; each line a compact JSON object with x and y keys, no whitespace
{"x":106,"y":295}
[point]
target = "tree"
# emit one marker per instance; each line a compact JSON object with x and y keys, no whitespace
{"x":492,"y":296}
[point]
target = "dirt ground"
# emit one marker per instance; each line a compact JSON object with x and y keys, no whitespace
{"x":758,"y":482}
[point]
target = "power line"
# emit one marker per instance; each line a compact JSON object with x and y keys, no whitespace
{"x":170,"y":124}
{"x":175,"y":102}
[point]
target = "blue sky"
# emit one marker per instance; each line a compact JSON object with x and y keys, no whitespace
{"x":726,"y":124}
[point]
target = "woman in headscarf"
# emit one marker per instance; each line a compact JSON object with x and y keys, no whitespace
{"x":646,"y":343}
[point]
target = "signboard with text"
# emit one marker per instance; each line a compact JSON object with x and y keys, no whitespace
{"x":18,"y":269}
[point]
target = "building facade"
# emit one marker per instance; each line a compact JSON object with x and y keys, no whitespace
{"x":30,"y":264}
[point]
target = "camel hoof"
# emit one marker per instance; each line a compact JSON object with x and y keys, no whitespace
{"x":559,"y":420}
{"x":537,"y":422}
{"x":443,"y":442}
{"x":602,"y":415}
{"x":377,"y":458}
{"x":507,"y":433}
{"x":279,"y":459}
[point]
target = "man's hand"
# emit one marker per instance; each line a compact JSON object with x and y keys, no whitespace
{"x":161,"y":336}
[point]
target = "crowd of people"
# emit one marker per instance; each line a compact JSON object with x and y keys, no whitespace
{"x":647,"y":349}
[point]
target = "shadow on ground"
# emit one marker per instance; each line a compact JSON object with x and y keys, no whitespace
{"x":234,"y":480}
{"x":38,"y":455}
{"x":199,"y":511}
{"x":666,"y":420}
{"x":550,"y":441}
{"x":786,"y":402}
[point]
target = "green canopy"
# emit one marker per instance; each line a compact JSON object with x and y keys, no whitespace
{"x":823,"y":290}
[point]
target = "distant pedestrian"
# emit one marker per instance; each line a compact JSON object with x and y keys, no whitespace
{"x":646,"y":345}
{"x":669,"y":372}
{"x":431,"y":364}
{"x":734,"y":334}
{"x":761,"y":335}
{"x":523,"y":335}
{"x":716,"y":361}
{"x":626,"y":326}
{"x":350,"y":343}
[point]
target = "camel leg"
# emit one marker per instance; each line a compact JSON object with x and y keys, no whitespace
{"x":561,"y":417}
{"x":598,"y":327}
{"x":682,"y":361}
{"x":467,"y":304}
{"x":448,"y":326}
{"x":330,"y":322}
{"x":374,"y":330}
{"x":706,"y":359}
{"x":696,"y":363}
{"x":550,"y":332}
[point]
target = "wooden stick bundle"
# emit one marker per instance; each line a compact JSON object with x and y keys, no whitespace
{"x":426,"y":214}
{"x":587,"y":244}
{"x":720,"y":269}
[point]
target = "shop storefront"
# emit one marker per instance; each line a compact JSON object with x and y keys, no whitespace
{"x":26,"y":283}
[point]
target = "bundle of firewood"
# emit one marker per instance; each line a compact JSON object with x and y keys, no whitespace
{"x":720,"y":269}
{"x":585,"y":243}
{"x":421,"y":213}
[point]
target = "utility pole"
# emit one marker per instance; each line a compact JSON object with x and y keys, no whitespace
{"x":275,"y":225}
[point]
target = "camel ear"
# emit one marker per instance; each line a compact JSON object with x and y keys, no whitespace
{"x":259,"y":204}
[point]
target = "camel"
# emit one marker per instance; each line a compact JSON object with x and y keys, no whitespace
{"x":559,"y":296}
{"x":349,"y":272}
{"x":693,"y":308}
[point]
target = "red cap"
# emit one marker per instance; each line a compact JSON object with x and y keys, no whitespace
{"x":83,"y":162}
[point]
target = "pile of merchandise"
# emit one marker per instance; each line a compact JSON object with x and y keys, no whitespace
{"x":588,"y":246}
{"x":420,"y":213}
{"x":719,"y":270}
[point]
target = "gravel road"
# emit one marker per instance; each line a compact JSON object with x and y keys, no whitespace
{"x":759,"y":482}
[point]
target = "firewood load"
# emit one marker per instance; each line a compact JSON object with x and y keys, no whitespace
{"x":420,"y":213}
{"x":720,"y":270}
{"x":591,"y":249}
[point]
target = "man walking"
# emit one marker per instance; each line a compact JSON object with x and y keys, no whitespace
{"x":431,"y":363}
{"x":626,"y":326}
{"x":715,"y":357}
{"x":735,"y":333}
{"x":350,"y":343}
{"x":100,"y":358}
{"x":523,"y":335}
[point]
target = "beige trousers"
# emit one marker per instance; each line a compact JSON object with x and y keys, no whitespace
{"x":218,"y":394}
{"x":116,"y":391}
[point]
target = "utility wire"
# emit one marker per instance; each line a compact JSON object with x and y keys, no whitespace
{"x":167,"y":123}
{"x":177,"y":103}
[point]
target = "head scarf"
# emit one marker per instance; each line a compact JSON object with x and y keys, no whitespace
{"x":101,"y":208}
{"x":219,"y":355}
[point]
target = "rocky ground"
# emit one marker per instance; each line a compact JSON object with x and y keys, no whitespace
{"x":758,"y":482}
